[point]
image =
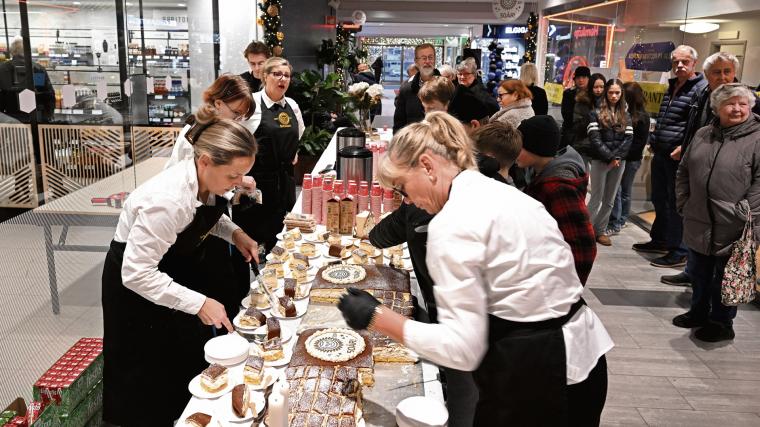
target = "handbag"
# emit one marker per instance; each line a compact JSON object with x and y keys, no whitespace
{"x":739,"y":276}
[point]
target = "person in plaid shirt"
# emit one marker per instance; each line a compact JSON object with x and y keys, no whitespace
{"x":559,"y":180}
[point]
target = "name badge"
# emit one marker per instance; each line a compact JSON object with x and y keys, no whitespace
{"x":284,"y":119}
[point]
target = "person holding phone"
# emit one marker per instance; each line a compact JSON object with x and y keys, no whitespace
{"x":156,"y":311}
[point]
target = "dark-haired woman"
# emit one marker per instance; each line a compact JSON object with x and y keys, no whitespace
{"x":610,"y":134}
{"x":586,"y":100}
{"x":155,"y":303}
{"x":634,"y":97}
{"x":229,"y":97}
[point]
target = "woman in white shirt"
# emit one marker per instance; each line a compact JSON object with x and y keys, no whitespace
{"x":508,"y":297}
{"x":277,"y":125}
{"x":154,"y":293}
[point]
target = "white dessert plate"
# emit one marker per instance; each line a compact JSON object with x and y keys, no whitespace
{"x":281,"y":236}
{"x":404,"y":255}
{"x":300,"y":310}
{"x":228,"y":349}
{"x":287,"y":351}
{"x":246,"y":329}
{"x":198,"y":391}
{"x":285,"y":334}
{"x":270,"y":376}
{"x":226,"y":414}
{"x":246,"y":302}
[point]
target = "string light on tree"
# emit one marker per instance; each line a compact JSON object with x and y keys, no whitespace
{"x":531,"y":37}
{"x":272,"y":23}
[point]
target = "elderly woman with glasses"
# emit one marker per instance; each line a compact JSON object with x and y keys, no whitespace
{"x":508,"y":297}
{"x":277,"y":125}
{"x":470,"y":90}
{"x":717,"y":185}
{"x":516,"y":103}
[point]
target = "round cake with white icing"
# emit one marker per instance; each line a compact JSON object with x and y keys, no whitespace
{"x":344,"y":274}
{"x":335,"y":344}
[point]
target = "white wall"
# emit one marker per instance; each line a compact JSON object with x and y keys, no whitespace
{"x":237,"y":27}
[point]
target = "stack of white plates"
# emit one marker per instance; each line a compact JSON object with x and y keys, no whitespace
{"x":227,"y":350}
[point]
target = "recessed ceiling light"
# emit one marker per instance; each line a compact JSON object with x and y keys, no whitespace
{"x":76,"y":2}
{"x":181,"y":4}
{"x":128,"y":4}
{"x":699,"y":27}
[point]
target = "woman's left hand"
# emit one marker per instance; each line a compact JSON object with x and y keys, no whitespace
{"x":247,"y":246}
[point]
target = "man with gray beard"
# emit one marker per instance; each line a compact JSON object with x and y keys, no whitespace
{"x":408,"y":106}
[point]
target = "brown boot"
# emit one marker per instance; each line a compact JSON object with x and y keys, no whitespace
{"x":604,"y":239}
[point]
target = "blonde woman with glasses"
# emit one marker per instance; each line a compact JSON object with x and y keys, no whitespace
{"x":277,"y":125}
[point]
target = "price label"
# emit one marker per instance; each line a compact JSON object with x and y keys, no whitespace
{"x":171,"y":97}
{"x":97,"y":112}
{"x":77,"y":55}
{"x":159,"y":97}
{"x":77,"y":111}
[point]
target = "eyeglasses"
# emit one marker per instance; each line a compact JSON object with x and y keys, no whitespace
{"x":463,"y":73}
{"x":237,"y":115}
{"x":400,"y":190}
{"x":500,"y":94}
{"x":426,"y":58}
{"x":279,"y":75}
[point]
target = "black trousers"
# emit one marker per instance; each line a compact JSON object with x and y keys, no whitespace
{"x":585,"y":400}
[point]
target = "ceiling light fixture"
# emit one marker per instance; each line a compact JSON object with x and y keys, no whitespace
{"x":698,"y":27}
{"x":593,"y":6}
{"x":181,"y":4}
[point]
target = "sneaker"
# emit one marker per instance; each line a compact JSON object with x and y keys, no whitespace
{"x":650,"y":247}
{"x":715,"y":332}
{"x":687,"y":321}
{"x":604,"y":239}
{"x":680,"y":279}
{"x":669,"y":261}
{"x":612,"y":231}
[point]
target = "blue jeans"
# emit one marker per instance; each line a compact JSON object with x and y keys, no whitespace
{"x":622,"y":207}
{"x":668,"y":225}
{"x":706,"y":273}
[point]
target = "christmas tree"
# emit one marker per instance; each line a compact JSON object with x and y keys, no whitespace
{"x":495,"y":66}
{"x":271,"y":21}
{"x":530,"y":39}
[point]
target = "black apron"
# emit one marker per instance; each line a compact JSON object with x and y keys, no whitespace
{"x":277,"y":139}
{"x":152,"y":352}
{"x":522,"y":379}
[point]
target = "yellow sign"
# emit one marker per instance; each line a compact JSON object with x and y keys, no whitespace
{"x":554,"y":92}
{"x":653,"y":94}
{"x":284,"y":120}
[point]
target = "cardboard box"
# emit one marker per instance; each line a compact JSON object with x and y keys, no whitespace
{"x":71,"y":377}
{"x":80,"y":416}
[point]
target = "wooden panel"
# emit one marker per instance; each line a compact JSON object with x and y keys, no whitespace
{"x":74,"y":157}
{"x":150,"y":142}
{"x":18,"y":186}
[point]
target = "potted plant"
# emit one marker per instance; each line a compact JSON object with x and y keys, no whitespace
{"x":319,"y":99}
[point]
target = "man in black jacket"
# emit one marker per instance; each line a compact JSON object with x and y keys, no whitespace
{"x":408,"y":106}
{"x":255,"y":54}
{"x":669,"y":134}
{"x":580,"y":78}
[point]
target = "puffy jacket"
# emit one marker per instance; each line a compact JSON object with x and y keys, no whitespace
{"x":701,"y":114}
{"x":408,"y":106}
{"x":674,"y":114}
{"x":607,"y":143}
{"x":640,"y":137}
{"x":717,"y":180}
{"x":567,"y":109}
{"x":581,"y":117}
{"x":472,"y":102}
{"x":515,"y":113}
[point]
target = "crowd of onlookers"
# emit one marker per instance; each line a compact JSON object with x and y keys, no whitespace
{"x":702,"y":144}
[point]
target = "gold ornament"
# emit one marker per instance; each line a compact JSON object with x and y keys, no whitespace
{"x":260,"y":21}
{"x":280,"y":36}
{"x":273,"y":10}
{"x":277,"y":50}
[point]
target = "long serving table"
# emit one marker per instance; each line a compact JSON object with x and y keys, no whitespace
{"x":76,"y":209}
{"x":393,"y":382}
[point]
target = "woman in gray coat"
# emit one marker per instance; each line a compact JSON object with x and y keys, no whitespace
{"x":718,"y":181}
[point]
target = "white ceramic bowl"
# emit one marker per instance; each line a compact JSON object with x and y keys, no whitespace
{"x":421,"y":411}
{"x":227,"y":350}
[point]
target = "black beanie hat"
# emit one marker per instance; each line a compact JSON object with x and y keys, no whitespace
{"x":582,"y":71}
{"x":540,"y":135}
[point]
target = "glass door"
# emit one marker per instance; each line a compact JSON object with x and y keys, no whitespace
{"x":408,"y":60}
{"x":393,"y":73}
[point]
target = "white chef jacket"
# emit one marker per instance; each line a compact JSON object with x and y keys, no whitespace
{"x":182,"y":149}
{"x":253,"y":123}
{"x":152,"y":217}
{"x":494,"y":250}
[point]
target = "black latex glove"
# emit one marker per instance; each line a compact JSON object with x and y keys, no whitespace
{"x":357,"y":307}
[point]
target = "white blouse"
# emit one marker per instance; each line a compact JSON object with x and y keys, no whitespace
{"x":261,"y":96}
{"x":494,"y":250}
{"x":152,"y":217}
{"x":182,"y":149}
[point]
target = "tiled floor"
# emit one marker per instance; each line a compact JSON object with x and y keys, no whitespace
{"x":658,"y":374}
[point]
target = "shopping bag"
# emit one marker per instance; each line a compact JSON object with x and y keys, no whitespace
{"x":739,"y":277}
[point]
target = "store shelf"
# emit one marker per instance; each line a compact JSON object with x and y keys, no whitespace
{"x":186,"y":95}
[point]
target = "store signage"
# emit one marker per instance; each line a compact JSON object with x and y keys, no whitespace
{"x":167,"y":19}
{"x":504,"y":31}
{"x":586,"y":32}
{"x":650,"y":56}
{"x":507,"y":10}
{"x":554,"y":92}
{"x":653,"y":95}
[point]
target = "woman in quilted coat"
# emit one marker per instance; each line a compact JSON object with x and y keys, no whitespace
{"x":610,"y":134}
{"x":718,"y":181}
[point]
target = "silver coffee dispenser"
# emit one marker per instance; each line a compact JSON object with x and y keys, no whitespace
{"x":353,"y":159}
